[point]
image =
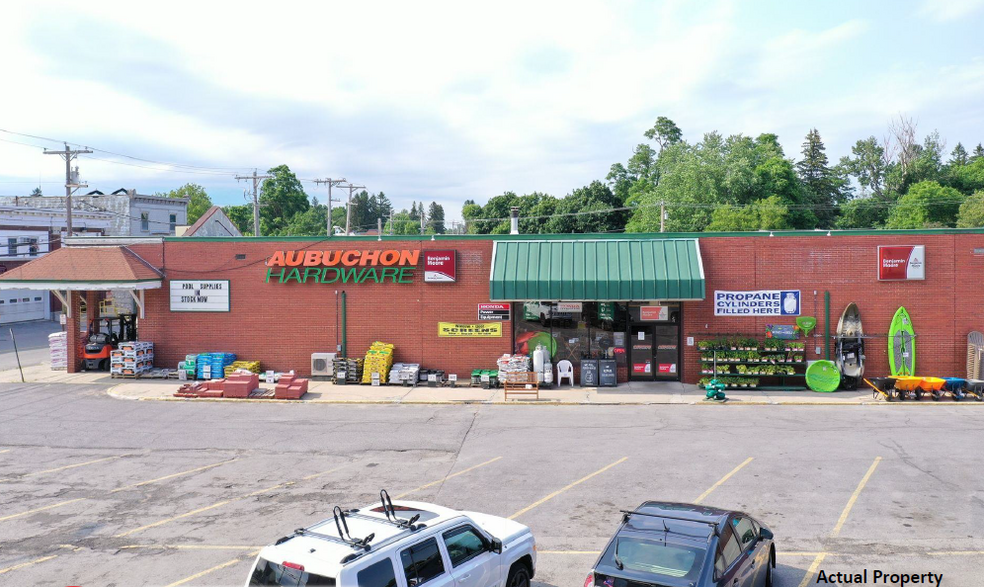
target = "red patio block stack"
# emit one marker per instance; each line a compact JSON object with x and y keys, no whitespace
{"x":239,"y":385}
{"x":290,"y":387}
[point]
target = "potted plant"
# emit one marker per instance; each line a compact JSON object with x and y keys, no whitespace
{"x":753,"y":383}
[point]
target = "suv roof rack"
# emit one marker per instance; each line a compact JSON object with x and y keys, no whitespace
{"x":627,"y":513}
{"x":344,"y":536}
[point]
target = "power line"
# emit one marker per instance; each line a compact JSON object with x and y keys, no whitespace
{"x":330,"y":183}
{"x":256,"y":202}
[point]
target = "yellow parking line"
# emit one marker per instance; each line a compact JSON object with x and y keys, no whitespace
{"x":28,"y":563}
{"x":840,"y":521}
{"x":854,"y":498}
{"x":140,"y":484}
{"x":593,"y":552}
{"x":222,"y":503}
{"x":433,"y":483}
{"x":213,"y":569}
{"x":172,"y":476}
{"x":722,"y":480}
{"x":4,"y":450}
{"x":559,"y":491}
{"x":66,"y":467}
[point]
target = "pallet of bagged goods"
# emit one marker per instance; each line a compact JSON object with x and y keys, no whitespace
{"x":352,"y":368}
{"x":58,"y":350}
{"x":379,"y":359}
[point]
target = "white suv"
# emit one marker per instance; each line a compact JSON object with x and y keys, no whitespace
{"x":401,"y":544}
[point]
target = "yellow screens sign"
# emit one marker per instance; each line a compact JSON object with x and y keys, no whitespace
{"x":485,"y":330}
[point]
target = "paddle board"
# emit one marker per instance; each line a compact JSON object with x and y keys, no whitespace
{"x":975,"y":352}
{"x":823,"y":376}
{"x":850,"y":347}
{"x":901,"y":344}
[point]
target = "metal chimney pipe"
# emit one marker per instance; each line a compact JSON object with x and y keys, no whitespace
{"x":514,"y":220}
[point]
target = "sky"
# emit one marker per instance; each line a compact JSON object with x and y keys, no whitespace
{"x":448,"y":101}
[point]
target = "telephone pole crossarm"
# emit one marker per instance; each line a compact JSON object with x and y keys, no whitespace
{"x":256,"y":199}
{"x":71,"y":183}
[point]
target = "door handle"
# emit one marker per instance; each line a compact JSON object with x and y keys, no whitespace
{"x":464,"y":577}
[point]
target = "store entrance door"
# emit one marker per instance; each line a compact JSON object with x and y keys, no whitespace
{"x":641,"y":353}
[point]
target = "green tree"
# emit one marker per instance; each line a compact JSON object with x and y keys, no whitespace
{"x":281,"y":197}
{"x":863,"y":212}
{"x":926,"y":204}
{"x":958,"y":156}
{"x":971,"y":213}
{"x":665,"y":132}
{"x":868,"y":166}
{"x":819,"y":180}
{"x":570,"y":214}
{"x":767,"y":214}
{"x":241,"y":216}
{"x":967,"y":178}
{"x":37,"y":192}
{"x":311,"y":222}
{"x":978,"y":153}
{"x":403,"y":224}
{"x":435,"y":218}
{"x":198,"y":200}
{"x":620,"y":181}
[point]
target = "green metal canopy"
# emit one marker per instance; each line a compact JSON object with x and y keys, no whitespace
{"x":597,"y":270}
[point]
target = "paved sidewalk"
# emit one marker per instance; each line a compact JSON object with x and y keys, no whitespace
{"x":634,"y":393}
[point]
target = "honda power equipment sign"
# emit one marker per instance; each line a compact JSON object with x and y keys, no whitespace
{"x":493,"y":311}
{"x":440,"y":266}
{"x":901,"y":262}
{"x":764,"y":302}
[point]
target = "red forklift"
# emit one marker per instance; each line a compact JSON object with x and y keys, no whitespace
{"x":103,"y":336}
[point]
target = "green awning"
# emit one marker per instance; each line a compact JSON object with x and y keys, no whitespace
{"x":597,"y":270}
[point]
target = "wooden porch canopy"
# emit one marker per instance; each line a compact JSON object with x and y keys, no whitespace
{"x":86,"y":269}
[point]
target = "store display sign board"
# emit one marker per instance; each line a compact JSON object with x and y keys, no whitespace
{"x":440,"y":266}
{"x":606,"y":310}
{"x":654,"y":313}
{"x":569,"y":307}
{"x":901,"y":263}
{"x":781,"y":331}
{"x":200,"y":295}
{"x":485,"y":330}
{"x":493,"y":311}
{"x":763,"y":302}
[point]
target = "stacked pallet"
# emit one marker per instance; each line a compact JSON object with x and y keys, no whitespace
{"x":189,"y":366}
{"x":131,"y":358}
{"x":404,"y":373}
{"x":513,"y":364}
{"x":58,"y":350}
{"x":212,"y":365}
{"x":379,"y":359}
{"x":251,"y":366}
{"x":350,"y":368}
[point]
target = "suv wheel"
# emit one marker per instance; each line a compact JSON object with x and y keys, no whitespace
{"x":768,"y":569}
{"x":518,"y":576}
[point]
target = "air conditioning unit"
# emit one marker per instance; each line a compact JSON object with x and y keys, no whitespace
{"x":322,"y":364}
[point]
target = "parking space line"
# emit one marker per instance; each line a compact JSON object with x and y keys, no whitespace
{"x":28,"y":563}
{"x":433,"y":483}
{"x":224,"y":502}
{"x":840,"y":521}
{"x":140,"y":484}
{"x":548,"y":552}
{"x":228,"y":563}
{"x":722,"y":480}
{"x":190,"y":547}
{"x":4,"y":450}
{"x":65,"y":468}
{"x":563,"y":489}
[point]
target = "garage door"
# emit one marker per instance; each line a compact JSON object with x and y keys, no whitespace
{"x":19,"y":305}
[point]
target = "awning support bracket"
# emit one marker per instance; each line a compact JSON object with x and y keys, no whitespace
{"x":138,"y":297}
{"x":63,"y":297}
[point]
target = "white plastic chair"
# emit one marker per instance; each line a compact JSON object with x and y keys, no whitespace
{"x":565,"y":369}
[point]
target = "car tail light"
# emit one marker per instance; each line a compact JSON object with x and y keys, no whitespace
{"x":589,"y":581}
{"x":294,"y":566}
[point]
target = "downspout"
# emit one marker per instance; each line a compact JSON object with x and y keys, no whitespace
{"x":344,"y":332}
{"x":826,"y":324}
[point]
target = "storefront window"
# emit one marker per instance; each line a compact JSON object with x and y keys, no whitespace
{"x":573,"y":330}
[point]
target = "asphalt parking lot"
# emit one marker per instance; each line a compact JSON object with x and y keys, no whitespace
{"x":99,"y":491}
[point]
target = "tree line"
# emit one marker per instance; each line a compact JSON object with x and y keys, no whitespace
{"x":740,"y":183}
{"x":287,"y":210}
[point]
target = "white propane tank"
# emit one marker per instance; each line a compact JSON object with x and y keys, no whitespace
{"x":539,"y":358}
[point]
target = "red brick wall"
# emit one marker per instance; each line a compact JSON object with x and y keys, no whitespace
{"x":282,"y":324}
{"x":944,"y":308}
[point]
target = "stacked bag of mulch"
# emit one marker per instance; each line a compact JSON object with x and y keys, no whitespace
{"x":379,"y":359}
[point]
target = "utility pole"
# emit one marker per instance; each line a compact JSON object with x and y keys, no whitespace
{"x":662,"y":216}
{"x":256,"y":200}
{"x":348,"y":207}
{"x":71,"y":183}
{"x":330,"y":183}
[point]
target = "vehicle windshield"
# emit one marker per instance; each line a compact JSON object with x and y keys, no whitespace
{"x":269,"y":573}
{"x":679,"y":561}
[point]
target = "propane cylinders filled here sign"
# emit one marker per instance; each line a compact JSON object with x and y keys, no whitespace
{"x":764,"y":302}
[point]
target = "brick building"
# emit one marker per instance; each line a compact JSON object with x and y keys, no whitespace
{"x":646,"y":301}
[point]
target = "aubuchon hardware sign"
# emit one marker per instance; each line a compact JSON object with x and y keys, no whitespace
{"x":763,"y":302}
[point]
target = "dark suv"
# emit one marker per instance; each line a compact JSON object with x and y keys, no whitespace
{"x":684,"y":545}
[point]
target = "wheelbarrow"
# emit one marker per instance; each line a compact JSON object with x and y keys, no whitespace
{"x":906,"y":385}
{"x":975,"y":387}
{"x":931,"y":385}
{"x":955,"y":386}
{"x":882,"y":386}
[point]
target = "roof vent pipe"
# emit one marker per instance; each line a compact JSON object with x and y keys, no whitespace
{"x":514,"y":220}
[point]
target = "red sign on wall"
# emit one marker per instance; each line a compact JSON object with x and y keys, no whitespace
{"x":900,"y":263}
{"x":493,"y":311}
{"x":653,"y":313}
{"x":440,"y":266}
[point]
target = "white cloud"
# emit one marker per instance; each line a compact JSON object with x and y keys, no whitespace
{"x":949,"y":10}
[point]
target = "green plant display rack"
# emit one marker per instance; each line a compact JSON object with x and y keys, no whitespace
{"x":781,"y":363}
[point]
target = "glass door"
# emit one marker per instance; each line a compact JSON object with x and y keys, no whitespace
{"x":641,"y":364}
{"x":666,"y":351}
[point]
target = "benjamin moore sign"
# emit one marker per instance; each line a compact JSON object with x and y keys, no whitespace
{"x":901,"y":262}
{"x":763,"y":302}
{"x":200,"y":295}
{"x":375,"y":266}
